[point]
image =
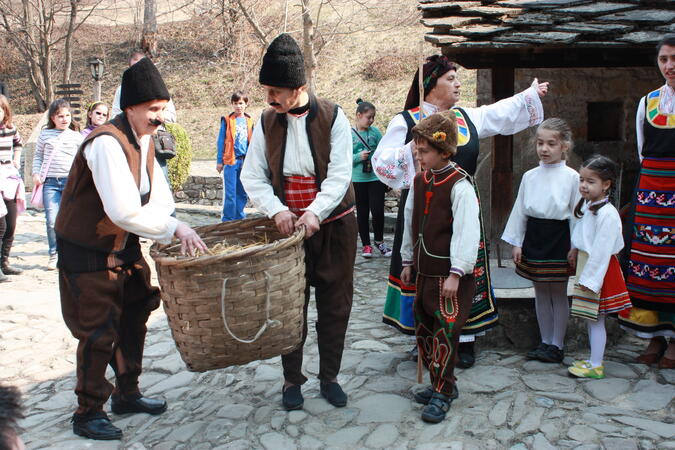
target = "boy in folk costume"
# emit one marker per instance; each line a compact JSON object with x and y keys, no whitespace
{"x":116,"y":193}
{"x":440,"y":243}
{"x":298,"y":171}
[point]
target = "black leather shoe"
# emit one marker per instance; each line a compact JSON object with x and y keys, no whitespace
{"x":466,"y":355}
{"x":95,"y":426}
{"x":438,"y":406}
{"x":552,"y":355}
{"x":537,"y":352}
{"x":334,"y":394}
{"x":422,"y":397}
{"x":291,"y":398}
{"x":137,"y":404}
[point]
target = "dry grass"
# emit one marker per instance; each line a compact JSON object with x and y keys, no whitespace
{"x":375,"y":63}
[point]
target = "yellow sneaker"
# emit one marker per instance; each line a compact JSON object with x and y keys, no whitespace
{"x":582,"y":363}
{"x":587,"y":371}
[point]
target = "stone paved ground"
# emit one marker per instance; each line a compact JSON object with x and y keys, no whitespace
{"x":505,"y":402}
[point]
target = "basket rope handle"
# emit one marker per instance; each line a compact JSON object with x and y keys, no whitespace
{"x":268,"y":322}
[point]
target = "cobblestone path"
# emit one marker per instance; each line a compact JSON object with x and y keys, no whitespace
{"x":504,"y":402}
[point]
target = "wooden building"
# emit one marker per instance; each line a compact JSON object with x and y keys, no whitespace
{"x":599,"y":57}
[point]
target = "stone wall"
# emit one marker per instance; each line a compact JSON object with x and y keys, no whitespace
{"x":201,"y":191}
{"x":570,"y":92}
{"x":209,"y":191}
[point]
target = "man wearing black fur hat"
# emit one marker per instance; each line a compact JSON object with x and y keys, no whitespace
{"x":298,"y":171}
{"x":116,"y":193}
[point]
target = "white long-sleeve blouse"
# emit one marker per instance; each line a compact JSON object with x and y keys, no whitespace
{"x":393,"y":158}
{"x":600,"y":236}
{"x":549,"y":191}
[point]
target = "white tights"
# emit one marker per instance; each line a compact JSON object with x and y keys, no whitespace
{"x":553,"y":310}
{"x":597,"y":335}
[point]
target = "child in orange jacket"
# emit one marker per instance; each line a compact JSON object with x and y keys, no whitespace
{"x":233,"y":139}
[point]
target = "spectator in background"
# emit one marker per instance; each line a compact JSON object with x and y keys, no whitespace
{"x":54,"y":153}
{"x":97,"y":114}
{"x":235,"y":134}
{"x":10,"y":412}
{"x":368,"y":189}
{"x":12,"y":189}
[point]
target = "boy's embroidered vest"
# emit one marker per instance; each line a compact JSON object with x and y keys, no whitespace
{"x":432,"y":220}
{"x":230,"y":122}
{"x":659,"y":128}
{"x":320,"y":119}
{"x":468,"y":145}
{"x":82,"y":220}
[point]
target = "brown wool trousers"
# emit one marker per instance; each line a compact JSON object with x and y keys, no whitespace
{"x":438,"y":324}
{"x":329,"y":265}
{"x":106,"y":312}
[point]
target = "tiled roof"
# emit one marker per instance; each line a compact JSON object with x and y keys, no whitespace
{"x":468,"y":28}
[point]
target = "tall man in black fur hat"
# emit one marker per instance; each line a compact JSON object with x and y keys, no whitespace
{"x":116,"y":193}
{"x":298,"y":171}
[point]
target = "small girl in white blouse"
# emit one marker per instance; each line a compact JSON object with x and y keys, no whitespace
{"x":539,"y":229}
{"x":600,"y":288}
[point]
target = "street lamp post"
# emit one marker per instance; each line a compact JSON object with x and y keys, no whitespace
{"x":97,"y":69}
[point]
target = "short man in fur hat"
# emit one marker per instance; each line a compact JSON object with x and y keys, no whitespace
{"x":298,"y":171}
{"x":116,"y":194}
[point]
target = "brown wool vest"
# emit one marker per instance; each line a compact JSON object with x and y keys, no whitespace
{"x":320,"y":119}
{"x":81,"y":219}
{"x":432,"y":221}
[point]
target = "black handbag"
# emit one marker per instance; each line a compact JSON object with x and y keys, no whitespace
{"x":366,"y":166}
{"x":165,"y":144}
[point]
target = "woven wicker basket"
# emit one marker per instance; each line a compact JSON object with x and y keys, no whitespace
{"x":236,"y":307}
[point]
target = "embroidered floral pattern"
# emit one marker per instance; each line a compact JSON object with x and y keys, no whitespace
{"x":664,"y":199}
{"x":531,"y":109}
{"x":652,"y":272}
{"x":654,"y":234}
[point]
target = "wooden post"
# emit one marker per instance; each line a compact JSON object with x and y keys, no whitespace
{"x":97,"y":90}
{"x":501,"y":189}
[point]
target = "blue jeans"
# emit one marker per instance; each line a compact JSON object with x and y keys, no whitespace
{"x":51,"y":196}
{"x":234,"y":196}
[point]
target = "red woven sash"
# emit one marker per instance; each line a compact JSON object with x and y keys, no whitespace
{"x":300,"y":192}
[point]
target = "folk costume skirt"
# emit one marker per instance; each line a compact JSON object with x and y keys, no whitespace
{"x":650,"y":271}
{"x":398,"y":307}
{"x":613,"y":296}
{"x":545,"y":249}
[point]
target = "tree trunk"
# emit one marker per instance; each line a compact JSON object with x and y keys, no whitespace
{"x":308,"y":45}
{"x":149,"y":37}
{"x":69,"y":39}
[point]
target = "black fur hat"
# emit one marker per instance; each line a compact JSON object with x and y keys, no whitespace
{"x":141,"y":83}
{"x":283,"y":64}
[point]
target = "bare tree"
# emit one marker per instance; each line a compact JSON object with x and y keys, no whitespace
{"x":346,"y":17}
{"x":149,"y":36}
{"x":308,"y":44}
{"x":68,"y":47}
{"x":37,"y":30}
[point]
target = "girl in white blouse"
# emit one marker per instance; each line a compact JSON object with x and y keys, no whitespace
{"x":539,"y":230}
{"x":600,"y":288}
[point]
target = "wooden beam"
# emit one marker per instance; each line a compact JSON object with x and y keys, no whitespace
{"x":501,"y":198}
{"x":486,"y":55}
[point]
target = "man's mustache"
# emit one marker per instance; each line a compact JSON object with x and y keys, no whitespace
{"x":156,"y":122}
